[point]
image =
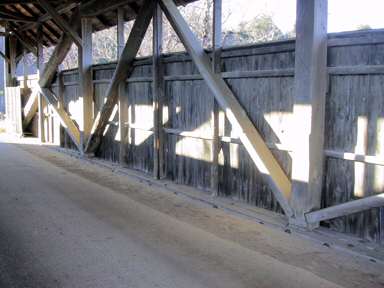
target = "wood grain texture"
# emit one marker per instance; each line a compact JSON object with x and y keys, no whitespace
{"x":123,"y":70}
{"x":269,"y":104}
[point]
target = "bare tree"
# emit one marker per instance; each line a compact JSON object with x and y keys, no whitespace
{"x":259,"y":29}
{"x":199,"y":16}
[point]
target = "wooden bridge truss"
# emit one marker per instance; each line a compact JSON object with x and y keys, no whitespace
{"x":298,"y":195}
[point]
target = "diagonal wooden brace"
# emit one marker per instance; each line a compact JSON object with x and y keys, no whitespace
{"x":123,"y":69}
{"x":66,"y":121}
{"x":58,"y":55}
{"x":30,"y":107}
{"x":5,"y":57}
{"x":60,"y":21}
{"x":250,"y":137}
{"x":351,"y":207}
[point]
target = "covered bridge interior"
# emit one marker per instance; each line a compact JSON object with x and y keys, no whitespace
{"x":293,"y":126}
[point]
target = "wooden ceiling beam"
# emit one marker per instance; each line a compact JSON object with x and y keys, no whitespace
{"x":7,"y":2}
{"x":134,"y":7}
{"x":96,"y":7}
{"x":16,"y":17}
{"x":59,"y":20}
{"x":26,"y":41}
{"x":60,"y":10}
{"x":50,"y":69}
{"x":51,"y":34}
{"x":104,"y":21}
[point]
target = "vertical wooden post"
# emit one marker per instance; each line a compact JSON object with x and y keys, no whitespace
{"x":158,"y":92}
{"x":123,"y":98}
{"x":7,"y":72}
{"x":25,"y":77}
{"x":12,"y":60}
{"x":25,"y":70}
{"x":309,"y":102}
{"x":61,"y":89}
{"x":216,"y":65}
{"x":10,"y":53}
{"x":217,"y":35}
{"x":123,"y":70}
{"x":120,"y":32}
{"x":258,"y":150}
{"x":85,"y":77}
{"x":40,"y":99}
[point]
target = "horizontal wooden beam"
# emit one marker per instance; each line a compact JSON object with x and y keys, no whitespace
{"x":15,"y":17}
{"x":354,"y":41}
{"x":267,"y":73}
{"x":66,"y":121}
{"x":356,"y":70}
{"x":236,"y":75}
{"x":259,"y":152}
{"x":123,"y":69}
{"x":368,"y":159}
{"x":96,"y":7}
{"x":7,"y":2}
{"x":59,"y":20}
{"x":344,"y":209}
{"x":224,"y":139}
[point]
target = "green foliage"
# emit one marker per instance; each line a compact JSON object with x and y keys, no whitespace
{"x":363,"y":27}
{"x":261,"y":29}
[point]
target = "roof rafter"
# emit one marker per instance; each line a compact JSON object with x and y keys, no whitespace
{"x":4,"y":15}
{"x":6,"y":2}
{"x":60,"y":21}
{"x":96,"y":7}
{"x":60,"y":10}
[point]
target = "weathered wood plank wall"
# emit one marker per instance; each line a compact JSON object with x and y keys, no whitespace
{"x":261,"y":76}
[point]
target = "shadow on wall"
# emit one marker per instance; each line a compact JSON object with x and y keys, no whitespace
{"x":354,"y":123}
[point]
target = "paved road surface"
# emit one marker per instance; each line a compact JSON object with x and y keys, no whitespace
{"x":60,"y":230}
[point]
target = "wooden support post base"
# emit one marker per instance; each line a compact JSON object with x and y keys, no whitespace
{"x":88,"y":155}
{"x":301,"y":223}
{"x":307,"y":134}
